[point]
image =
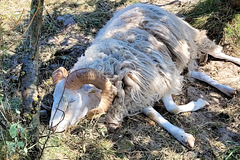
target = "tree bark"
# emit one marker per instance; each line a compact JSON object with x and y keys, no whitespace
{"x":29,"y":78}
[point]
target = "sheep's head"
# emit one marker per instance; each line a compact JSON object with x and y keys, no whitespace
{"x":82,"y":92}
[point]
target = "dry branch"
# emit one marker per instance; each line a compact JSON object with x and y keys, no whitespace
{"x":29,"y":76}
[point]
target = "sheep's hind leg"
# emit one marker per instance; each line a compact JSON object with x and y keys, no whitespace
{"x":205,"y":78}
{"x":175,"y":109}
{"x":221,"y":55}
{"x":185,"y":138}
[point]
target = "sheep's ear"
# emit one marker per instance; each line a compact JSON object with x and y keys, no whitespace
{"x":58,"y":75}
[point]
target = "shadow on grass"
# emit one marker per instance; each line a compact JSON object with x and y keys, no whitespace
{"x":86,"y":25}
{"x":212,"y":16}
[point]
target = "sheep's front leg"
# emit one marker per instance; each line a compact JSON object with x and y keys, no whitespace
{"x":175,"y":109}
{"x":185,"y":138}
{"x":205,"y":78}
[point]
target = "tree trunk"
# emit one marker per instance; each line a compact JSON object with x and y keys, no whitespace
{"x":29,"y":78}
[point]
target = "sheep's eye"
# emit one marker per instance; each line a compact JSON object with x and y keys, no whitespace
{"x":72,"y":100}
{"x":92,"y":91}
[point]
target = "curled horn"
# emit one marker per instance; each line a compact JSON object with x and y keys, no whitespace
{"x":78,"y":78}
{"x":58,"y":75}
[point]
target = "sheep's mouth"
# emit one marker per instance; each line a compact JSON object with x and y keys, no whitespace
{"x":58,"y":129}
{"x":53,"y":129}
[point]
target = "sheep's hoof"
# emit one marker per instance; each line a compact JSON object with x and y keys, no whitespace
{"x":190,"y":140}
{"x":95,"y":113}
{"x":200,"y":103}
{"x":229,"y":91}
{"x":186,"y":139}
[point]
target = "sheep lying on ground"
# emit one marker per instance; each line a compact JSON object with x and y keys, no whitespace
{"x":135,"y":60}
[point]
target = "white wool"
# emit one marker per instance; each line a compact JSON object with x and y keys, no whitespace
{"x":143,"y":49}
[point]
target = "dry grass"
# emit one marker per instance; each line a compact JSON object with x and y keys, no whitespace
{"x":215,"y":128}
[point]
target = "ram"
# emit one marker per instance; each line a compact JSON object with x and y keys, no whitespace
{"x":135,"y":60}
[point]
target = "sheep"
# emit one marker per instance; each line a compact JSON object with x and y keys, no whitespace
{"x":135,"y":60}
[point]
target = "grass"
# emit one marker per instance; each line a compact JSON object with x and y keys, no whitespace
{"x":234,"y":153}
{"x":139,"y":138}
{"x":84,"y":141}
{"x":232,"y":33}
{"x":14,"y":141}
{"x":221,"y":21}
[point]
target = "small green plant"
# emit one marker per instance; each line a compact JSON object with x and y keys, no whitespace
{"x":234,"y":154}
{"x":14,"y":138}
{"x":18,"y":140}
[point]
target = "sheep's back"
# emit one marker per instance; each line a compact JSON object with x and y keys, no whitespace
{"x":142,"y":49}
{"x":163,"y":30}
